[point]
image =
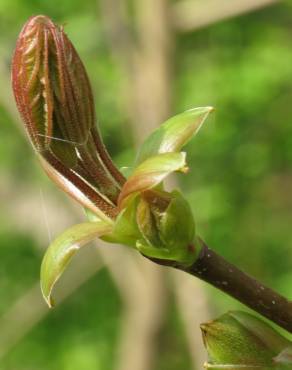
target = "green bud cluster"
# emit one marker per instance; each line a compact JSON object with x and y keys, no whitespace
{"x":55,"y":100}
{"x":159,"y":225}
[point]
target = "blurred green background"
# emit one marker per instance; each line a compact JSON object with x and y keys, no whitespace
{"x":149,"y":59}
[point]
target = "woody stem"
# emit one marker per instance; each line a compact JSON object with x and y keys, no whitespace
{"x":215,"y":270}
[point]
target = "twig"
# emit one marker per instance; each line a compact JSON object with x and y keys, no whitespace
{"x":223,"y":275}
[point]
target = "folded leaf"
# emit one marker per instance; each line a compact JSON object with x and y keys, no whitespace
{"x":61,"y":251}
{"x":173,"y":134}
{"x":152,"y":172}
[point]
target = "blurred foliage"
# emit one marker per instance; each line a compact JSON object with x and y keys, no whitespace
{"x":239,"y":184}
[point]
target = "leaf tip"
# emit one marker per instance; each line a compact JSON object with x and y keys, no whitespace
{"x":207,"y":109}
{"x":47,"y":294}
{"x":50,"y":302}
{"x":48,"y":297}
{"x":185,"y":169}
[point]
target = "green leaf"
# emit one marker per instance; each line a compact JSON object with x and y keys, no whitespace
{"x":152,"y":172}
{"x":173,"y":134}
{"x":61,"y":251}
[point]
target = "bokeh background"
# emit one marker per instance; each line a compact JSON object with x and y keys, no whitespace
{"x":149,"y":59}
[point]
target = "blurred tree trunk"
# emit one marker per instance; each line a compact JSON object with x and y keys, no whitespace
{"x":190,"y":15}
{"x":151,"y":80}
{"x":145,"y":281}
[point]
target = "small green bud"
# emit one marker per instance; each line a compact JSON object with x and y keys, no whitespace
{"x":167,"y":225}
{"x":239,"y":339}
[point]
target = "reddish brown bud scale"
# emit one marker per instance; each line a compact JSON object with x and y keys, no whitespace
{"x":50,"y":83}
{"x":54,"y":97}
{"x":25,"y":70}
{"x":73,"y":185}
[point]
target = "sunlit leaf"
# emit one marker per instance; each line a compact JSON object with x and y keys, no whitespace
{"x":152,"y":172}
{"x":61,"y":251}
{"x":173,"y":134}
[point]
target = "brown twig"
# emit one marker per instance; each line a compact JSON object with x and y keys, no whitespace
{"x":215,"y":270}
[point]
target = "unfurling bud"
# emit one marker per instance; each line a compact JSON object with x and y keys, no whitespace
{"x":55,"y":100}
{"x":166,"y":224}
{"x":54,"y":97}
{"x":238,"y":339}
{"x":51,"y":86}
